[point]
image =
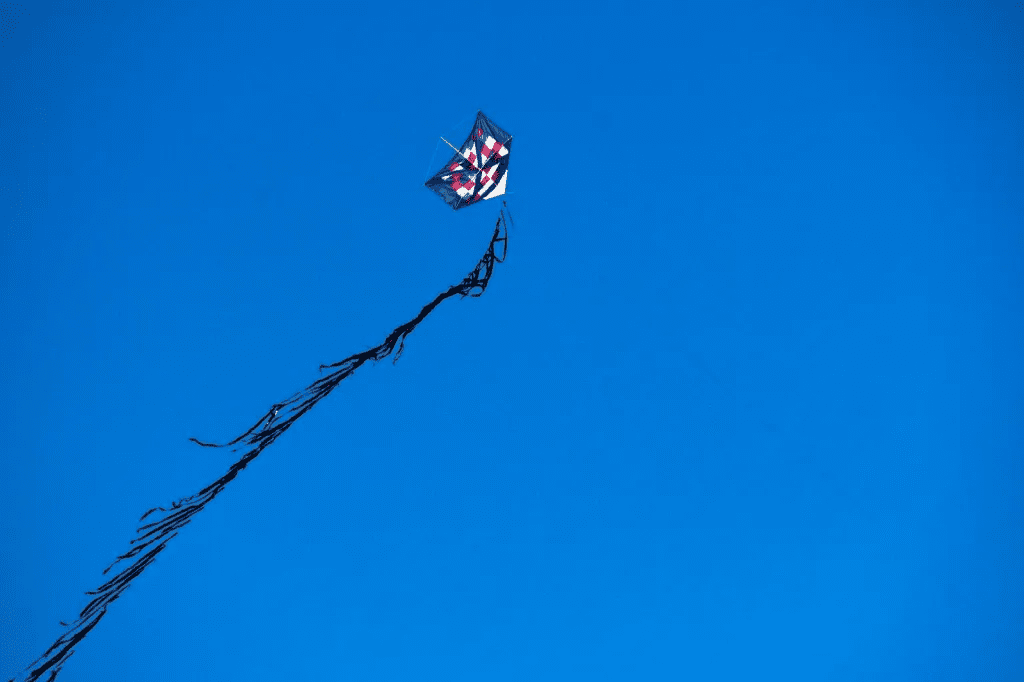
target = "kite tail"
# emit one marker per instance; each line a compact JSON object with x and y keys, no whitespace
{"x":153,"y":537}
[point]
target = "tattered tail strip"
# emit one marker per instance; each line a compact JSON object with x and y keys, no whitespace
{"x":154,"y":536}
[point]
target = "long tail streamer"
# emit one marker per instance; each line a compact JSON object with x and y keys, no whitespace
{"x":154,"y":536}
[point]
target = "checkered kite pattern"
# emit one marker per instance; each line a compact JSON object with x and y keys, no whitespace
{"x":479,"y":170}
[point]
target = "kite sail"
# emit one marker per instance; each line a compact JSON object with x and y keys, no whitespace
{"x":480,"y":174}
{"x":479,"y":170}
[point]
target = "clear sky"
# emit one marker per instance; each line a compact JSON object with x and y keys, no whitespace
{"x":742,"y":404}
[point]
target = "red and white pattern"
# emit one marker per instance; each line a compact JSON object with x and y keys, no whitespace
{"x":492,"y":146}
{"x":462,"y":184}
{"x":470,"y":155}
{"x":488,"y":177}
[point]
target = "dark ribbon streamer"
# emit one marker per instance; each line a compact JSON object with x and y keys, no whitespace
{"x":154,"y":536}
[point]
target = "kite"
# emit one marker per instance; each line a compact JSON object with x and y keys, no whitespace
{"x":477,"y":172}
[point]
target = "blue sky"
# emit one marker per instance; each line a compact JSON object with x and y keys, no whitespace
{"x":742,"y":403}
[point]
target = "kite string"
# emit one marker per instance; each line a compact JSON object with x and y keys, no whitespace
{"x":260,"y":436}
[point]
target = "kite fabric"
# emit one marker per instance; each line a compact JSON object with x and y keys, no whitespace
{"x":154,"y":536}
{"x":479,"y":170}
